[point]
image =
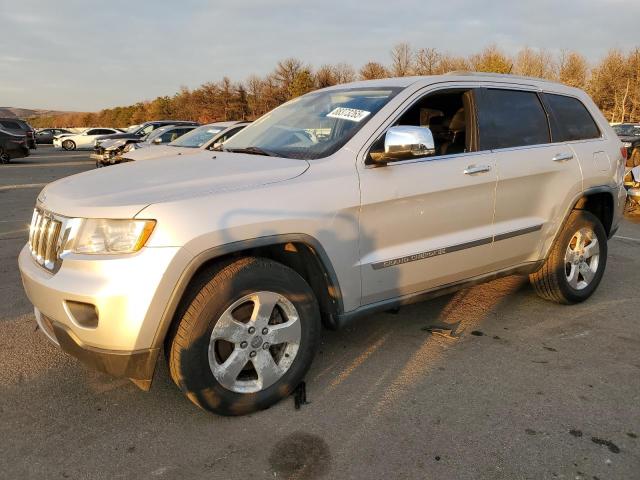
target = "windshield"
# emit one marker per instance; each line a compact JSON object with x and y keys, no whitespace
{"x":132,"y":128}
{"x":312,"y":126}
{"x":155,"y":133}
{"x":627,"y":130}
{"x":198,"y":137}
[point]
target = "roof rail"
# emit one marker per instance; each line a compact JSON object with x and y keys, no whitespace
{"x":497,"y":75}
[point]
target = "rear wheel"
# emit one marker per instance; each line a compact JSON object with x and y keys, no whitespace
{"x":246,"y":337}
{"x":575,"y":266}
{"x":69,"y":145}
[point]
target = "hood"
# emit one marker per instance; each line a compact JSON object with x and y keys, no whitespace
{"x":106,"y":144}
{"x":162,"y":151}
{"x":121,"y":191}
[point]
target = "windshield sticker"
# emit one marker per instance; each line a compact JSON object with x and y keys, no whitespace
{"x":351,"y":114}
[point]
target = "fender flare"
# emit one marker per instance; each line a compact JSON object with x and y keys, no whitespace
{"x":222,"y":250}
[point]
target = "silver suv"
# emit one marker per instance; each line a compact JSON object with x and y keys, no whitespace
{"x":343,"y":202}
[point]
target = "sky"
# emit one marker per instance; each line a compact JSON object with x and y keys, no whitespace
{"x":88,"y":55}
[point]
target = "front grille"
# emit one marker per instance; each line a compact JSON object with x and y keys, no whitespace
{"x":44,"y":239}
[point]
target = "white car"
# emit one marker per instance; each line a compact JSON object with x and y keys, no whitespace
{"x":82,"y":141}
{"x":202,"y":138}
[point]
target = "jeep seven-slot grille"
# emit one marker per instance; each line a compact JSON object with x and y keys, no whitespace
{"x":44,"y":238}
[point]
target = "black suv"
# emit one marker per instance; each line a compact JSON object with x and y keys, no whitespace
{"x":138,"y":133}
{"x":20,"y":127}
{"x":12,"y":146}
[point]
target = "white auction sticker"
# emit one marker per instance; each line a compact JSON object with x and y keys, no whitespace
{"x":352,"y":114}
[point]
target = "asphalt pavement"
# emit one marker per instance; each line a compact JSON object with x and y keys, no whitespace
{"x":528,"y":390}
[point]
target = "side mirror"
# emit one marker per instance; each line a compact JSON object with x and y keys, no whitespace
{"x":157,"y":141}
{"x":404,"y":142}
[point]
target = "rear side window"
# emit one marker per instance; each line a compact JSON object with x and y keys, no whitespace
{"x":512,"y":118}
{"x":572,"y":120}
{"x":11,"y":125}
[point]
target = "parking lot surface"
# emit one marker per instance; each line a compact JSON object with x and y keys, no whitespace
{"x":528,"y":390}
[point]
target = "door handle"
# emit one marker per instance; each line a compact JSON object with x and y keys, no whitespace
{"x":473,"y":169}
{"x":561,"y":157}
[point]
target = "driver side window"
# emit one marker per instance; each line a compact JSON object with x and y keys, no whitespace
{"x":448,"y":115}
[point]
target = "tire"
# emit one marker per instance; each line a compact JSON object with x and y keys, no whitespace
{"x":198,"y":354}
{"x":572,"y":273}
{"x":4,"y":157}
{"x":69,"y":145}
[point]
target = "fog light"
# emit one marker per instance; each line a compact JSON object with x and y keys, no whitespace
{"x":84,"y":314}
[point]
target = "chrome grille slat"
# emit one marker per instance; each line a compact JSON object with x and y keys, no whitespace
{"x":44,"y":239}
{"x":36,"y":235}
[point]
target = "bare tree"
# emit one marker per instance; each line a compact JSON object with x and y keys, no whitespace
{"x":344,"y":73}
{"x":535,"y":63}
{"x":573,"y":69}
{"x":373,"y":70}
{"x":491,"y":59}
{"x":427,"y":61}
{"x":402,"y":60}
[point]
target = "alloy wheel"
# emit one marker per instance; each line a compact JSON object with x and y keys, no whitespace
{"x":582,"y":258}
{"x":254,"y":342}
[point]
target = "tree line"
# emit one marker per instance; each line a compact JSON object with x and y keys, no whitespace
{"x":613,"y":83}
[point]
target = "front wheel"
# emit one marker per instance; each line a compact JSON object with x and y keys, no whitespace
{"x":4,"y":157}
{"x":246,"y":335}
{"x":576,"y":263}
{"x":69,"y":145}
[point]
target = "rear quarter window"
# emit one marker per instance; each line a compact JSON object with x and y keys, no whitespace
{"x":571,"y":120}
{"x":11,"y":125}
{"x":511,"y":118}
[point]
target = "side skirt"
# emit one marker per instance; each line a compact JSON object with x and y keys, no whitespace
{"x":348,"y":318}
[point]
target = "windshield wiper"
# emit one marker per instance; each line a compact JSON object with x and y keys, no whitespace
{"x":251,"y":151}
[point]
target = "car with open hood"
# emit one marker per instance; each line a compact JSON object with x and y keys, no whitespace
{"x":136,"y":133}
{"x":112,"y":149}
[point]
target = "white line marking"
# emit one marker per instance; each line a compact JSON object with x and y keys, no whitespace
{"x":14,"y":231}
{"x":25,"y":185}
{"x":57,"y":164}
{"x":627,"y":238}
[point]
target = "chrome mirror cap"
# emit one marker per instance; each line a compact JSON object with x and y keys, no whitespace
{"x":404,"y":142}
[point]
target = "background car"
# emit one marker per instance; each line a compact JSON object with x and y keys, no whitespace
{"x":134,"y":135}
{"x":629,"y":133}
{"x":12,"y":146}
{"x":19,"y":127}
{"x":206,"y":137}
{"x":46,"y":135}
{"x":162,"y":135}
{"x":84,"y":140}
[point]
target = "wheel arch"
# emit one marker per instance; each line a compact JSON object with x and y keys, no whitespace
{"x":301,"y":252}
{"x":600,"y":201}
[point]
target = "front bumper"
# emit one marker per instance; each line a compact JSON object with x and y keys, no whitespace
{"x":137,"y":366}
{"x":129,"y":294}
{"x":105,"y":158}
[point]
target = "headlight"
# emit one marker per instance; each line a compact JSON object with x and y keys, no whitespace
{"x":626,"y":144}
{"x":106,"y":236}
